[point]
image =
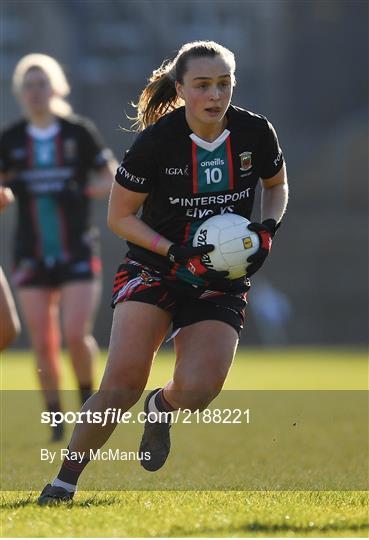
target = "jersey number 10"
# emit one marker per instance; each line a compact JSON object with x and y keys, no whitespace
{"x":213,"y":176}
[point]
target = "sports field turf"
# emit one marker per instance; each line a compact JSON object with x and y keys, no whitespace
{"x":291,"y":513}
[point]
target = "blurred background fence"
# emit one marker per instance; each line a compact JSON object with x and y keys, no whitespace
{"x":303,"y":64}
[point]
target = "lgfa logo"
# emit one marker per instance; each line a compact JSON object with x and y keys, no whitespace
{"x":175,"y":171}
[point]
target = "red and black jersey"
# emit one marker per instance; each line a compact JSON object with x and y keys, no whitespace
{"x":48,"y":171}
{"x":189,"y":180}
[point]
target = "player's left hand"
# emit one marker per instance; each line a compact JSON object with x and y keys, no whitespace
{"x":266,"y":231}
{"x":6,"y":197}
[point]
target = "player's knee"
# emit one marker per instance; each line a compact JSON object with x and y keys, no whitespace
{"x":74,"y":337}
{"x":44,"y":348}
{"x":196,"y":393}
{"x":125,"y":389}
{"x":10,"y":328}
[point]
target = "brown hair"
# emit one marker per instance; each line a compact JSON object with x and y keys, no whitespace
{"x":160,"y":96}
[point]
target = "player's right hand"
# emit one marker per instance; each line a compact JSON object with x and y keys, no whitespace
{"x":182,"y":254}
{"x":190,"y":257}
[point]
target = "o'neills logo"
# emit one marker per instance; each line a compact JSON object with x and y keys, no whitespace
{"x":246,"y":162}
{"x":216,"y":161}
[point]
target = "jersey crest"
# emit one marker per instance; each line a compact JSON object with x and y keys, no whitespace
{"x":246,"y":161}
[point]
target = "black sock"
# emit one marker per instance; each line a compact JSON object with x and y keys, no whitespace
{"x":71,"y":469}
{"x":161,"y":403}
{"x":57,"y":430}
{"x":85,"y":391}
{"x":54,"y":406}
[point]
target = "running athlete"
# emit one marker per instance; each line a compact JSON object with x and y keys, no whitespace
{"x":46,"y":160}
{"x":189,"y":162}
{"x":9,"y":320}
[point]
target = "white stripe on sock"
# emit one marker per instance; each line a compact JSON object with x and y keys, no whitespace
{"x":152,"y":405}
{"x":69,"y":487}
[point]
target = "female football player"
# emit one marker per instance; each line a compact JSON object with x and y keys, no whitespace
{"x":46,"y":160}
{"x":9,"y":320}
{"x":197,"y":155}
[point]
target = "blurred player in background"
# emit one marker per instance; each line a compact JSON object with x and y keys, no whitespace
{"x":272,"y":311}
{"x":9,"y":320}
{"x":46,"y":160}
{"x":189,"y":162}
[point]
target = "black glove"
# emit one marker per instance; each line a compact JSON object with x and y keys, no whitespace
{"x":265,"y":231}
{"x":190,"y":257}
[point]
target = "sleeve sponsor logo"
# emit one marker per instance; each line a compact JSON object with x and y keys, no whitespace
{"x":123,"y":173}
{"x":277,"y":159}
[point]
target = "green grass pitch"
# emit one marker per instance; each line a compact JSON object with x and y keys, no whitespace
{"x":202,"y":513}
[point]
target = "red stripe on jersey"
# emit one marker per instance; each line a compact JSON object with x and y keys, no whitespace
{"x":195,"y":182}
{"x":64,"y":233}
{"x":59,"y":149}
{"x":34,"y":221}
{"x":230,"y":163}
{"x":29,"y":150}
{"x":32,"y":202}
{"x":186,"y":233}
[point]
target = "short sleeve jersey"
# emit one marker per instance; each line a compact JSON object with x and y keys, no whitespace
{"x":48,"y":171}
{"x":189,"y":180}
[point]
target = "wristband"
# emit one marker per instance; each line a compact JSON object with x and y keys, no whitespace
{"x":155,"y":241}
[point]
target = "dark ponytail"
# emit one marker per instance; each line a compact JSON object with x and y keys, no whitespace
{"x":160,"y":95}
{"x":157,"y":98}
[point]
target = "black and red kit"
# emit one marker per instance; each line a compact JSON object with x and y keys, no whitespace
{"x":47,"y":170}
{"x":189,"y":180}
